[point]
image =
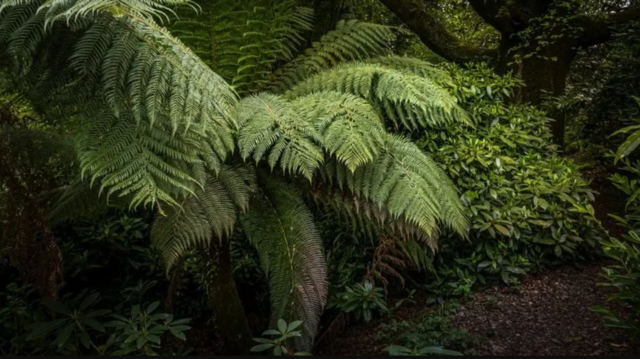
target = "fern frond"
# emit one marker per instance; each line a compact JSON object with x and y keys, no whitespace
{"x":208,"y":215}
{"x":140,"y":67}
{"x":281,"y":227}
{"x":349,"y":127}
{"x":67,"y":9}
{"x":403,"y":184}
{"x":163,"y":102}
{"x":137,"y":160}
{"x":244,"y":40}
{"x":272,"y":129}
{"x":273,"y":34}
{"x":351,"y":40}
{"x":411,"y":100}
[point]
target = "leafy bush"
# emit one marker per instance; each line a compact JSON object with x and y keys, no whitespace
{"x":280,"y":344}
{"x":529,"y":208}
{"x":431,"y":334}
{"x":110,"y":246}
{"x":75,"y":326}
{"x":17,"y":317}
{"x":362,"y":300}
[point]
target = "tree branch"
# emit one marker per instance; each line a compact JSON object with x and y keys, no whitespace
{"x":433,"y":34}
{"x":600,"y":31}
{"x":491,"y":11}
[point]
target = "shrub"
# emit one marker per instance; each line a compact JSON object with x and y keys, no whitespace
{"x":361,"y":300}
{"x":281,"y":342}
{"x":430,"y":334}
{"x":529,"y":208}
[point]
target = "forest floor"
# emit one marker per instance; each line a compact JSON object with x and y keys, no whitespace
{"x":548,"y":314}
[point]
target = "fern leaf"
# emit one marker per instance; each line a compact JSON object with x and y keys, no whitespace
{"x":129,"y":159}
{"x":413,"y":66}
{"x":208,"y":215}
{"x":350,"y":128}
{"x":403,"y":185}
{"x":281,"y":227}
{"x":244,"y":40}
{"x":271,"y":129}
{"x":407,"y":99}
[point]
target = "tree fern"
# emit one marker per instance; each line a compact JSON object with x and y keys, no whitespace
{"x":156,"y":121}
{"x":280,"y":225}
{"x":407,"y":99}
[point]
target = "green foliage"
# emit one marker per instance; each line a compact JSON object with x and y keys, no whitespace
{"x":139,"y":76}
{"x":281,"y":227}
{"x":625,"y":277}
{"x":78,"y":329}
{"x":350,"y":41}
{"x":244,"y":41}
{"x":211,"y":213}
{"x":73,"y":325}
{"x":19,"y":313}
{"x":361,"y":300}
{"x":631,"y":143}
{"x":432,"y":334}
{"x":528,"y":207}
{"x":142,"y":331}
{"x":600,"y":102}
{"x":112,"y":246}
{"x":407,"y":99}
{"x":280,"y":344}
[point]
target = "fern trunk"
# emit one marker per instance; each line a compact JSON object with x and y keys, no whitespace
{"x":229,"y":315}
{"x":176,"y":278}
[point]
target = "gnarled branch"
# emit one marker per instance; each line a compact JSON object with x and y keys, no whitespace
{"x":433,"y":34}
{"x":600,"y":31}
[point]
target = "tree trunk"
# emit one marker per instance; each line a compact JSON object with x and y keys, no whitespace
{"x":229,"y":314}
{"x":547,"y":76}
{"x":544,"y":74}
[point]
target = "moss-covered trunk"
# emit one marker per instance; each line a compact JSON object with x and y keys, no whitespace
{"x":229,"y":315}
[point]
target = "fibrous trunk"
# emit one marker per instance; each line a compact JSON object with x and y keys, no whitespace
{"x":229,"y":314}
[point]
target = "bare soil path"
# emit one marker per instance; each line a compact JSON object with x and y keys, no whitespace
{"x":549,"y":315}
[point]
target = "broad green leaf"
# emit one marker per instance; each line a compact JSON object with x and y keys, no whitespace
{"x":282,"y":326}
{"x":261,"y":347}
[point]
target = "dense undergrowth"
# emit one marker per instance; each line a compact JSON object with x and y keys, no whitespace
{"x":529,"y":210}
{"x":266,"y":191}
